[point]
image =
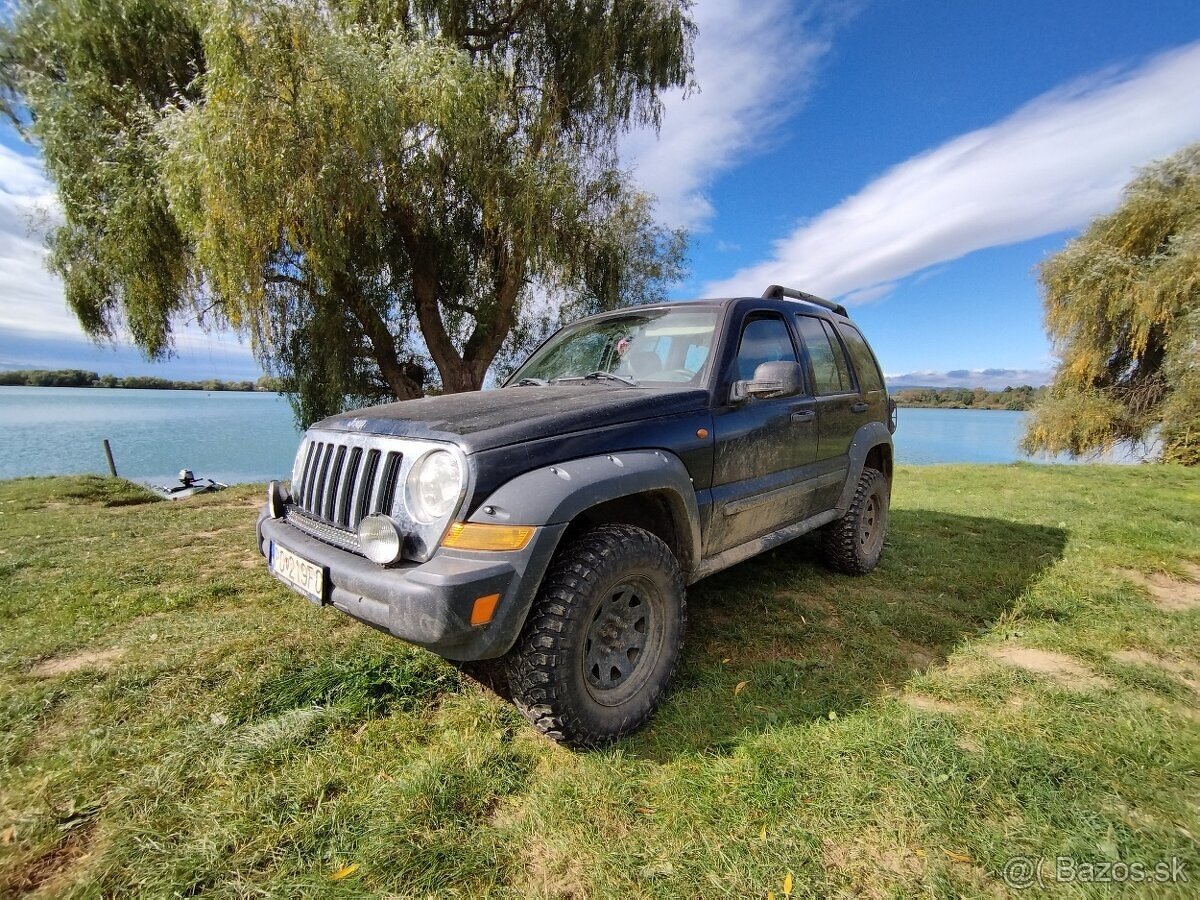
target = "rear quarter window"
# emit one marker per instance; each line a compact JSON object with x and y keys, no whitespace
{"x":869,"y":376}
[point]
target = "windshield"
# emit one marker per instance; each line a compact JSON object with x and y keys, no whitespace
{"x":655,"y":346}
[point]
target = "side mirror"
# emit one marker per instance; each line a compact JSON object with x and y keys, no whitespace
{"x":771,"y":379}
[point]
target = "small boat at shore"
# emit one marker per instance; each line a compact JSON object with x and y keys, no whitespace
{"x":189,"y":486}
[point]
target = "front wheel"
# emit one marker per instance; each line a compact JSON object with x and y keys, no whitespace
{"x":602,"y":639}
{"x":854,"y":543}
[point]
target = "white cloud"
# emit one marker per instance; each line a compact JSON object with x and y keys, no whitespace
{"x":755,"y":63}
{"x":1049,"y":167}
{"x":33,"y":310}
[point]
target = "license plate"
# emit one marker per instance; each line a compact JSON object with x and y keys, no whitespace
{"x":298,"y":573}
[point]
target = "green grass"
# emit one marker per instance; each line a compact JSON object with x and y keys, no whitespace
{"x":173,"y":722}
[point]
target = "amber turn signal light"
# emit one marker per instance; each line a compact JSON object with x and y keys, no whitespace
{"x":476,"y":536}
{"x":483,"y":609}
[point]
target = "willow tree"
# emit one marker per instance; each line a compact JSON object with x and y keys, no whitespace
{"x":366,"y":188}
{"x":1123,"y":309}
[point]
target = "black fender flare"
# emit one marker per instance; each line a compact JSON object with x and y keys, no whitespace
{"x":866,"y":439}
{"x":554,"y":495}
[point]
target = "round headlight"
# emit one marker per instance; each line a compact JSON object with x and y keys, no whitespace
{"x":379,"y":539}
{"x":433,"y":486}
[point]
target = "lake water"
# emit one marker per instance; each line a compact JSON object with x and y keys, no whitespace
{"x":240,"y":437}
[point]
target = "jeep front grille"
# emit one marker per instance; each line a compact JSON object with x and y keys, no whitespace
{"x":344,"y":478}
{"x":341,"y":477}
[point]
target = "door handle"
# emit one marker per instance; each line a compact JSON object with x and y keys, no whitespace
{"x":803,"y":415}
{"x":859,"y":407}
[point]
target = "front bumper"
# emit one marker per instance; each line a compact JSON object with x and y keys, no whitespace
{"x":428,"y":604}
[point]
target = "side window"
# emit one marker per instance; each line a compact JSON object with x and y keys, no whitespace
{"x":831,"y":374}
{"x":765,"y":338}
{"x":865,"y":366}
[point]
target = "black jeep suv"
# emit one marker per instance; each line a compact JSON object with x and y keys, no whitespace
{"x":552,"y":526}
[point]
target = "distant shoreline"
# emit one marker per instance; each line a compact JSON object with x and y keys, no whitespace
{"x":1018,"y":399}
{"x":81,"y":378}
{"x":1011,"y":399}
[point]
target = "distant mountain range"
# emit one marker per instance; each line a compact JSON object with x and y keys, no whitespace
{"x":991,"y":379}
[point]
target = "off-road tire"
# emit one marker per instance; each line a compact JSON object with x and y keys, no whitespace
{"x":591,"y":584}
{"x":854,"y":543}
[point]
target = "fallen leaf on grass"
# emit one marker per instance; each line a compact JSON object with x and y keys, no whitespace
{"x":762,"y":833}
{"x":658,"y":870}
{"x":344,"y":872}
{"x":957,"y":857}
{"x":645,"y":810}
{"x":8,"y":835}
{"x":739,"y":687}
{"x":787,"y":885}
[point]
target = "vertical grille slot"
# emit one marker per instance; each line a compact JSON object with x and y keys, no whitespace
{"x":362,"y":502}
{"x":335,"y":478}
{"x":314,"y":474}
{"x":386,"y":494}
{"x":347,"y":492}
{"x":318,"y":496}
{"x":305,"y":472}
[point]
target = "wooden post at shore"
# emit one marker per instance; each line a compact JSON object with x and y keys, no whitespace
{"x":112,"y":466}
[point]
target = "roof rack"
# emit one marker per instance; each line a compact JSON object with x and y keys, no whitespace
{"x":776,"y":291}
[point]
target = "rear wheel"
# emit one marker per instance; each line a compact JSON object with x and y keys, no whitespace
{"x":602,"y":639}
{"x":854,"y":543}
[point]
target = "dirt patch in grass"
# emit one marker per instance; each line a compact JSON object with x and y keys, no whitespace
{"x":217,"y":532}
{"x":75,"y":662}
{"x":1065,"y":670}
{"x":1186,"y":673}
{"x":919,"y":656}
{"x":1169,"y":594}
{"x":52,"y":869}
{"x":859,"y":861}
{"x":924,"y":703}
{"x":551,"y":871}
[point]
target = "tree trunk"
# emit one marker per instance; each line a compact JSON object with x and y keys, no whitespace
{"x":383,"y":345}
{"x":463,"y":371}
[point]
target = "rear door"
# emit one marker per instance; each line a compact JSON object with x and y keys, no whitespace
{"x":763,"y":447}
{"x":840,"y":407}
{"x":867,"y":374}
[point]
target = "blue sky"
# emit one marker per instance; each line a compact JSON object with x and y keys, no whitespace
{"x":917,"y":158}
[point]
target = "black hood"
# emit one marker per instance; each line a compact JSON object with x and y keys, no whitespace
{"x":484,"y":420}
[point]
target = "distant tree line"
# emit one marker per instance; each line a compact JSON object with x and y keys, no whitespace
{"x":1018,"y":398}
{"x":81,"y":378}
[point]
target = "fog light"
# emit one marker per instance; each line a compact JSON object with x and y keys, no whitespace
{"x":277,"y":500}
{"x":379,"y":539}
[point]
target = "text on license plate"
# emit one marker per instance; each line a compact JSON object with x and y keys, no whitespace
{"x":306,"y":577}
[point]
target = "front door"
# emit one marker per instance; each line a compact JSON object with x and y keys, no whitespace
{"x":763,"y":447}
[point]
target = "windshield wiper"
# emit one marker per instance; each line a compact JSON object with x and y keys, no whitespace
{"x":529,"y":380}
{"x":599,"y":374}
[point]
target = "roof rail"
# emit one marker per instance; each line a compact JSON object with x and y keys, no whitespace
{"x":776,"y":291}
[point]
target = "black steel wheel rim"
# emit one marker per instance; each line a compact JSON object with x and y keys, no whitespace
{"x":871,"y":525}
{"x":623,"y":640}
